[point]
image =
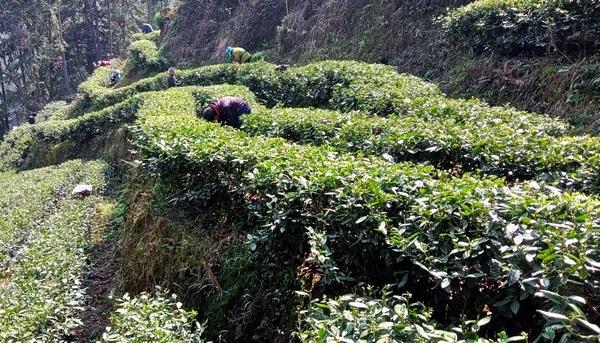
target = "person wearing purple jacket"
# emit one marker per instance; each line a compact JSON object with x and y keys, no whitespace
{"x":227,"y":111}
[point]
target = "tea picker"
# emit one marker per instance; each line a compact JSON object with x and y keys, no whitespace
{"x":147,"y":28}
{"x":237,"y":55}
{"x":172,"y":80}
{"x":227,"y":111}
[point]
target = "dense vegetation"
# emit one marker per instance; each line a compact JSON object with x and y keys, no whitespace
{"x":533,"y":26}
{"x":43,"y":237}
{"x":144,"y":55}
{"x":48,"y":47}
{"x":149,"y":318}
{"x":355,"y":204}
{"x":362,"y":201}
{"x":560,"y":81}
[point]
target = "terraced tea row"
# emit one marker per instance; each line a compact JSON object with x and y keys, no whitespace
{"x":536,"y":27}
{"x":463,"y":135}
{"x":41,"y":291}
{"x":477,"y":240}
{"x":29,"y":196}
{"x":356,"y":216}
{"x":338,"y":85}
{"x":513,"y":149}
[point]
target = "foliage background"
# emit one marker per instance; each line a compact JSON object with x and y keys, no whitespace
{"x":47,"y":47}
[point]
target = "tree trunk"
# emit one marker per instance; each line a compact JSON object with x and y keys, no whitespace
{"x":125,"y":10}
{"x":23,"y":69}
{"x":150,"y":6}
{"x":63,"y":55}
{"x":4,"y":127}
{"x":110,"y":28}
{"x":91,"y":18}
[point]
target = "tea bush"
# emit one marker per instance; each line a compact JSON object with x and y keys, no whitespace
{"x":56,"y":110}
{"x":375,"y":88}
{"x":320,"y":84}
{"x":344,"y":206}
{"x":147,"y":318}
{"x":489,"y":142}
{"x":26,"y":147}
{"x":95,"y":85}
{"x":534,"y":26}
{"x":353,"y":318}
{"x":152,"y":36}
{"x":27,"y":197}
{"x":144,"y":56}
{"x":521,"y":150}
{"x":55,"y":141}
{"x":41,"y":292}
{"x":461,"y":233}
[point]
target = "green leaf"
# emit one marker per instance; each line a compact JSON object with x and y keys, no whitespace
{"x":361,"y":219}
{"x":484,"y":321}
{"x":592,"y":327}
{"x":514,"y":306}
{"x":553,"y":316}
{"x":358,"y":305}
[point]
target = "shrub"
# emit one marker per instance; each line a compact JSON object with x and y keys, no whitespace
{"x":144,"y":57}
{"x":95,"y":85}
{"x":152,"y":36}
{"x":472,"y":144}
{"x":147,"y":318}
{"x":56,"y":110}
{"x":27,"y":147}
{"x":526,"y":26}
{"x":28,"y":196}
{"x":54,"y":142}
{"x":319,"y":84}
{"x":257,"y":57}
{"x":352,"y":318}
{"x":342,"y":85}
{"x":345,"y":211}
{"x":41,"y":296}
{"x":458,"y":234}
{"x":348,"y":213}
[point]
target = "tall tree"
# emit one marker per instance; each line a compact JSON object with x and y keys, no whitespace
{"x":48,"y":46}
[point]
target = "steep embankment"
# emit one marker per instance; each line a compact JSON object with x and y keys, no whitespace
{"x":395,"y":32}
{"x":404,"y":34}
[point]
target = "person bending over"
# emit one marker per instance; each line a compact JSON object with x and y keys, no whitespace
{"x":147,"y":28}
{"x":237,"y":55}
{"x":227,"y":111}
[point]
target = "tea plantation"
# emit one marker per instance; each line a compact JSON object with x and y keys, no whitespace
{"x":354,"y":205}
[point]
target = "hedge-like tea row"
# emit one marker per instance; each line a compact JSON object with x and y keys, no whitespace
{"x":25,"y":198}
{"x":492,"y":140}
{"x":69,"y":137}
{"x":527,"y":140}
{"x":147,"y":318}
{"x":152,"y":36}
{"x":31,"y":145}
{"x":353,"y":318}
{"x":56,"y":110}
{"x":144,"y":56}
{"x":463,"y":233}
{"x":531,"y":26}
{"x":42,"y":292}
{"x":95,"y":85}
{"x":489,"y":140}
{"x":340,"y":85}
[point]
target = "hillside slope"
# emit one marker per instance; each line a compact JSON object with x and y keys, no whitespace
{"x":354,"y":202}
{"x":401,"y":33}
